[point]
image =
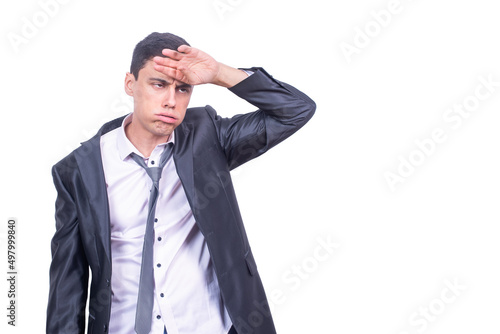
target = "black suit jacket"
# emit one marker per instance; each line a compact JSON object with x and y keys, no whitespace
{"x":206,"y":148}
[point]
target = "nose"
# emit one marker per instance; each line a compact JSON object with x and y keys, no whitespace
{"x":169,"y":98}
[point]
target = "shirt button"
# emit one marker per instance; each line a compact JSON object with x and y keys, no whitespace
{"x":152,"y":162}
{"x":162,"y":295}
{"x":158,"y":316}
{"x":159,"y":238}
{"x":156,"y":220}
{"x":158,"y":265}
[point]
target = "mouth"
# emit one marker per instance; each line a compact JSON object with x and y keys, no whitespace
{"x":166,"y":118}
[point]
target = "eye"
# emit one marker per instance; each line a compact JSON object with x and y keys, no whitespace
{"x":184,"y":90}
{"x":158,"y":85}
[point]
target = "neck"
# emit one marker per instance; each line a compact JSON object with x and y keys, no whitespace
{"x":144,"y":141}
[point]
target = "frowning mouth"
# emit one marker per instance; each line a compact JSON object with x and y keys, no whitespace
{"x":166,"y":118}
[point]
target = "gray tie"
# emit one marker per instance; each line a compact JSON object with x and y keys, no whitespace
{"x":145,"y":297}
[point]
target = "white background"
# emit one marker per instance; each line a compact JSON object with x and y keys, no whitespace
{"x":397,"y":249}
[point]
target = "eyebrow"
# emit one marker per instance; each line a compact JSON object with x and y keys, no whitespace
{"x":165,"y":82}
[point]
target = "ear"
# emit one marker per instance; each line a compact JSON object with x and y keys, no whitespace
{"x":129,"y":84}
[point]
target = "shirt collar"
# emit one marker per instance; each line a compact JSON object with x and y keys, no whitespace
{"x":125,"y":146}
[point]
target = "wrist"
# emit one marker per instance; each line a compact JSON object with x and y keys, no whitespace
{"x":228,"y":76}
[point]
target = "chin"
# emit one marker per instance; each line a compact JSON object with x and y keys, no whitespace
{"x":163,"y":129}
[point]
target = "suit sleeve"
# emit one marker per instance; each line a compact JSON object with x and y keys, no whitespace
{"x":282,"y":110}
{"x":69,"y":267}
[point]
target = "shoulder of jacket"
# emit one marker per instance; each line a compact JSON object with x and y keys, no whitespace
{"x":197,"y":114}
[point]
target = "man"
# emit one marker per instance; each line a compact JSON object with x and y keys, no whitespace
{"x":182,"y":233}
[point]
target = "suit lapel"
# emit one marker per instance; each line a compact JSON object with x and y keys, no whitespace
{"x":183,"y":156}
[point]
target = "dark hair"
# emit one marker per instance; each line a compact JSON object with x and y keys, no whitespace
{"x":151,"y":46}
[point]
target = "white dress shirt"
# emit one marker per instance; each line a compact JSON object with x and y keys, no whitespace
{"x":187,"y":296}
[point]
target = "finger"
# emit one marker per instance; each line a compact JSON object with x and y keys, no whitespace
{"x":171,"y":72}
{"x":165,"y":61}
{"x":184,"y":48}
{"x":172,"y":54}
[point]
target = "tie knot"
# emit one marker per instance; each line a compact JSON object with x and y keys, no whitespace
{"x":154,"y":173}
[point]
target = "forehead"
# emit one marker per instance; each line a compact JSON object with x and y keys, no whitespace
{"x":148,"y":71}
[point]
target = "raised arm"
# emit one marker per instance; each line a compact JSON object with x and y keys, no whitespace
{"x":282,"y":109}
